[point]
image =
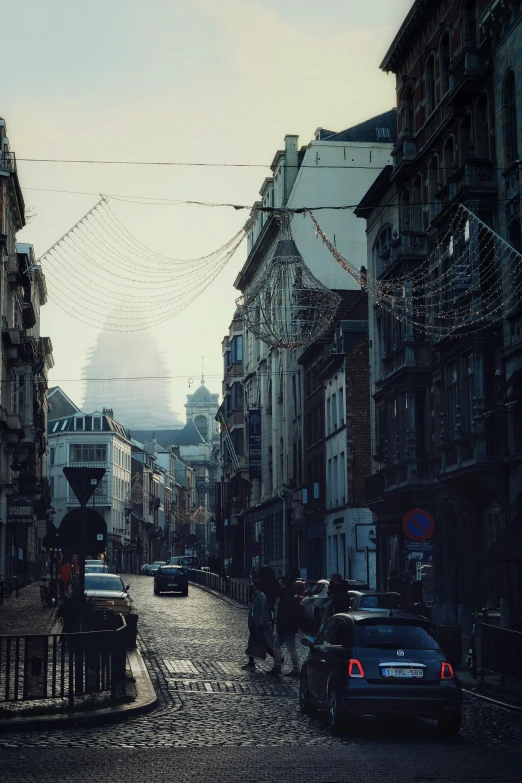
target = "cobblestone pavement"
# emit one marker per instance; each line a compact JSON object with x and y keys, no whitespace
{"x":213,"y":717}
{"x":25,"y":614}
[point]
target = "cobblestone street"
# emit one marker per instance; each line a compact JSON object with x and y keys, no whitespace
{"x":194,"y":648}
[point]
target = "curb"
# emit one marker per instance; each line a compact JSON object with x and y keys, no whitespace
{"x":229,"y":601}
{"x":504,"y":705}
{"x":145,"y":701}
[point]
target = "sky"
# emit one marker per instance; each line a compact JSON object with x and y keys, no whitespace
{"x":171,"y":80}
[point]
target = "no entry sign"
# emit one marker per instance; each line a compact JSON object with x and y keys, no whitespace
{"x":418,"y":524}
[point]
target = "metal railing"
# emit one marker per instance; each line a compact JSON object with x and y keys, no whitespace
{"x":501,"y":652}
{"x":63,"y":666}
{"x":238,"y":591}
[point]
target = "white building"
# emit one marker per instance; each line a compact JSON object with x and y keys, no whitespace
{"x":334,"y":169}
{"x":93,"y":440}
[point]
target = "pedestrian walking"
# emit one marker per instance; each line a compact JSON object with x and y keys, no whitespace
{"x":338,"y":589}
{"x":65,"y":578}
{"x":260,"y":639}
{"x":287,"y":626}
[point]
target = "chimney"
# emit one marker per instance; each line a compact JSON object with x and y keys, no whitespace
{"x":291,"y":162}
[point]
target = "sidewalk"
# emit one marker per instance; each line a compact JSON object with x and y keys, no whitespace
{"x":508,"y":693}
{"x":25,"y":614}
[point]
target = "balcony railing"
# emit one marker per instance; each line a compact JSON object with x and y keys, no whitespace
{"x":463,"y":75}
{"x":97,"y":500}
{"x":8,"y":161}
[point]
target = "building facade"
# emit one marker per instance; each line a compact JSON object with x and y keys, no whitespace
{"x":438,"y":416}
{"x":26,"y":358}
{"x":94,"y":440}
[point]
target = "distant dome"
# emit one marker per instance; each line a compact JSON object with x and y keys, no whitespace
{"x":201,"y":395}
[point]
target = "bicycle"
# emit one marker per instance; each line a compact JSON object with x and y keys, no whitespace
{"x":6,"y":588}
{"x":48,"y":595}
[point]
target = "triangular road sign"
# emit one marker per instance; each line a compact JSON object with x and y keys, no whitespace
{"x":83,"y":481}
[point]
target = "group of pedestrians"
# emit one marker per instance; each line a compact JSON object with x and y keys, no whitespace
{"x":266,"y":592}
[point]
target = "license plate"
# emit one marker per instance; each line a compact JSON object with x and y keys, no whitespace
{"x":408,"y":674}
{"x":172,"y":584}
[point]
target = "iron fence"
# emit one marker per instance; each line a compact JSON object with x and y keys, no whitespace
{"x":63,"y":666}
{"x":501,"y":652}
{"x":238,"y":591}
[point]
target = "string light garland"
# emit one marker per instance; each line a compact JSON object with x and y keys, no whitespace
{"x":470,"y":280}
{"x":288,"y":308}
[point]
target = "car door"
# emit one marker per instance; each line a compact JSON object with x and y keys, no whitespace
{"x":326,"y":658}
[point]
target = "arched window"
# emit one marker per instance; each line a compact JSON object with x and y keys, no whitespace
{"x":382,"y":249}
{"x":405,"y":211}
{"x":448,"y":159}
{"x":408,"y":128}
{"x":433,"y":184}
{"x":482,"y":127}
{"x":431,"y":94}
{"x":510,"y":118}
{"x":416,"y":204}
{"x":465,"y":139}
{"x":444,"y":63}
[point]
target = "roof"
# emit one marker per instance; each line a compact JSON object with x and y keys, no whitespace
{"x":401,"y":45}
{"x":201,"y":395}
{"x":188,"y":436}
{"x":363,"y":616}
{"x":367,"y":131}
{"x":66,"y":424}
{"x":60,"y":403}
{"x":164,"y":438}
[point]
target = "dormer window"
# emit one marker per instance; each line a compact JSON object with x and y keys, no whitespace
{"x":78,"y":424}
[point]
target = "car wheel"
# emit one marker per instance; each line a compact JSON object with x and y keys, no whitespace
{"x":449,"y":725}
{"x":306,"y":706}
{"x":336,"y":713}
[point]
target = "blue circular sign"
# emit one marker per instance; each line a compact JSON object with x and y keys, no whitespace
{"x":418,"y":524}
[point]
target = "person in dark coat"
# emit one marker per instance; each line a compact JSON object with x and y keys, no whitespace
{"x":294,"y":574}
{"x":270,"y":588}
{"x":287,"y":625}
{"x":338,"y":589}
{"x":260,"y":638}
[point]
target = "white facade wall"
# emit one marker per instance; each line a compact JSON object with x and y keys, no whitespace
{"x":116,"y":482}
{"x":345,"y":529}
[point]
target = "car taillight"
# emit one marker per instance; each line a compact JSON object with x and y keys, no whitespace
{"x":355,"y":669}
{"x":446,"y":671}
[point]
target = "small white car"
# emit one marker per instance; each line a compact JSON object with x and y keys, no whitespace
{"x":314,"y":603}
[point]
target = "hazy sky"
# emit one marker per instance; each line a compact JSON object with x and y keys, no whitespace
{"x":185,"y":81}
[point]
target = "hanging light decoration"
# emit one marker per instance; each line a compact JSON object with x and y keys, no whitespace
{"x":288,"y":307}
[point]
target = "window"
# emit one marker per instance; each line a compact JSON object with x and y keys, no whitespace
{"x":444,"y":63}
{"x":335,"y":477}
{"x":333,"y":634}
{"x":88,"y":423}
{"x":334,"y":412}
{"x":510,"y":118}
{"x":328,"y":416}
{"x":465,"y":139}
{"x":51,"y":487}
{"x":449,"y":159}
{"x":342,"y":478}
{"x":52,"y":454}
{"x":88,"y":453}
{"x":482,"y":127}
{"x":433,"y":185}
{"x":452,"y":396}
{"x":96,"y":423}
{"x":405,"y":211}
{"x":341,"y":407}
{"x":416,"y":204}
{"x":469,"y":20}
{"x":383,"y":134}
{"x":237,"y":349}
{"x":409,"y":114}
{"x":329,"y":479}
{"x":20,"y":395}
{"x":202,"y":425}
{"x":78,"y":424}
{"x":430,"y":86}
{"x":237,"y":396}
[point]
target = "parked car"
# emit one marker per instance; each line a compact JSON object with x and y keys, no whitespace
{"x":108,"y":592}
{"x":189,"y":561}
{"x":154,"y":567}
{"x":373,"y":600}
{"x":171,"y":578}
{"x":144,"y":567}
{"x":365,"y":663}
{"x":99,"y":568}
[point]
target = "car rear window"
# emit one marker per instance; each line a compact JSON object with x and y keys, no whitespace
{"x":379,"y":602}
{"x":170,"y":570}
{"x":395,"y":636}
{"x":94,"y":582}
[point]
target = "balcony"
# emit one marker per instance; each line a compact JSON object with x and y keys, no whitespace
{"x":404,"y":155}
{"x":13,"y":270}
{"x":409,"y":247}
{"x":463,"y":77}
{"x":96,"y":500}
{"x":7,"y":161}
{"x":14,"y":430}
{"x":374,"y":486}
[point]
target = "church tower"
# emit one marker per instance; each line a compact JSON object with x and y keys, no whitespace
{"x":202,"y":407}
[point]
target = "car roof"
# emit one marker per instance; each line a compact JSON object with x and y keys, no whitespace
{"x":374,"y":592}
{"x":362,"y":616}
{"x":172,"y":565}
{"x":105,"y":575}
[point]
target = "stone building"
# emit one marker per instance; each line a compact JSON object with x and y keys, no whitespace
{"x":438,"y":416}
{"x":26,"y":358}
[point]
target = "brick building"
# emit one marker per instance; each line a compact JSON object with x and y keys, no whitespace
{"x":438,"y":416}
